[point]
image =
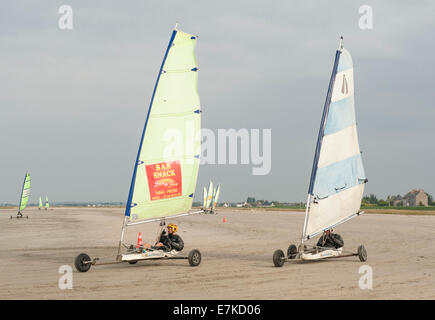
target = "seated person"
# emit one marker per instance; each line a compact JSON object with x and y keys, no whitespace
{"x":330,"y":240}
{"x":168,"y":242}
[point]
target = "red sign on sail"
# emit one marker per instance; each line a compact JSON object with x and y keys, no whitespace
{"x":164,"y":180}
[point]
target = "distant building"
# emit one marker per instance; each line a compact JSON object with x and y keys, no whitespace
{"x":413,"y":198}
{"x":259,"y":203}
{"x":243,"y":205}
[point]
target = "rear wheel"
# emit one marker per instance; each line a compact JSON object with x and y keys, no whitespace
{"x":278,"y":258}
{"x":362,"y":253}
{"x":194,"y":257}
{"x":82,"y":262}
{"x":292,"y":251}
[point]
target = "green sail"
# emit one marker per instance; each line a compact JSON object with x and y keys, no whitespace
{"x":25,"y":193}
{"x":216,"y":196}
{"x":209,"y":195}
{"x":47,"y":205}
{"x":40,"y":203}
{"x":205,"y":198}
{"x":165,"y":174}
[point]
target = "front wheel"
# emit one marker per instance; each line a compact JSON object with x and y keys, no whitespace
{"x":278,"y":258}
{"x":362,"y":253}
{"x":82,"y":262}
{"x":132,"y":262}
{"x":194,"y":257}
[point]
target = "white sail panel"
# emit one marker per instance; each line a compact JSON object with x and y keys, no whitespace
{"x":342,"y":145}
{"x":205,"y":197}
{"x":334,"y":209}
{"x":168,"y":161}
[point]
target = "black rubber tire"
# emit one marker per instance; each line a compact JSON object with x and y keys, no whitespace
{"x":292,"y":251}
{"x":194,"y":257}
{"x":79,"y":262}
{"x":362,"y":253}
{"x":132,"y":262}
{"x":278,"y":258}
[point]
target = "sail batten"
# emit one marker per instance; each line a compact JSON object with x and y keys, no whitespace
{"x":167,"y":164}
{"x":338,"y":177}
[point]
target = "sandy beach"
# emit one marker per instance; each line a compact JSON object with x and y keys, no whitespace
{"x":236,"y":257}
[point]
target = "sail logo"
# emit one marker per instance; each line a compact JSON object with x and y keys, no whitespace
{"x":164,"y":180}
{"x":344,"y":86}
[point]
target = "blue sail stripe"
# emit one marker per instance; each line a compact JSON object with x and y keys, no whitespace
{"x":341,"y":115}
{"x":345,"y":61}
{"x":339,"y":176}
{"x":344,"y":66}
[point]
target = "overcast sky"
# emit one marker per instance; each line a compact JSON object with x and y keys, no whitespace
{"x":73,"y":102}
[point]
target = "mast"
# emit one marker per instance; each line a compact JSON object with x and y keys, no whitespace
{"x":320,"y":137}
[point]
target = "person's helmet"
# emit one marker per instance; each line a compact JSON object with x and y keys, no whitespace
{"x":173,"y":226}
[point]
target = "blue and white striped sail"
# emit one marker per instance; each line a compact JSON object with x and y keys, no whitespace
{"x":337,"y":178}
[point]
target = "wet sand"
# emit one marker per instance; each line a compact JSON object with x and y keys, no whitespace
{"x":236,"y":257}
